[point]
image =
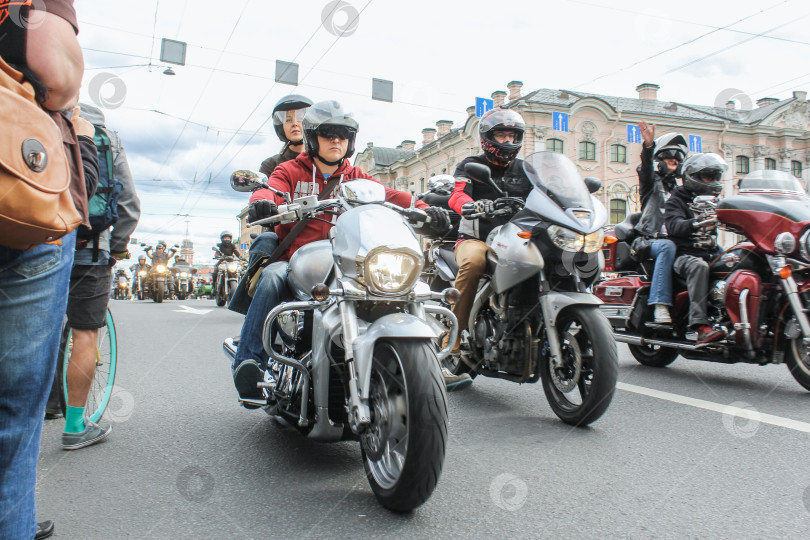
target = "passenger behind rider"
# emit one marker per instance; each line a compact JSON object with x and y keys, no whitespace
{"x":695,"y":237}
{"x":329,"y":135}
{"x":501,"y":134}
{"x":655,"y":187}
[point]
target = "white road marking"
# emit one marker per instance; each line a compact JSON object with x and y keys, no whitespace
{"x":746,"y":413}
{"x":193,"y":311}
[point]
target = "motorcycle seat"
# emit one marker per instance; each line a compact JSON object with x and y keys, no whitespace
{"x":624,"y":231}
{"x":448,"y":255}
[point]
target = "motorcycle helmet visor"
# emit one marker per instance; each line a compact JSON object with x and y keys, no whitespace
{"x":671,"y":153}
{"x":291,"y":116}
{"x":334,"y":132}
{"x":710,"y":175}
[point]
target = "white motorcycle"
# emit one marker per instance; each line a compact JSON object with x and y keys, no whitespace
{"x":357,"y":359}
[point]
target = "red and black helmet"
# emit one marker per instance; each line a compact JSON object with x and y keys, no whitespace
{"x":500,"y":119}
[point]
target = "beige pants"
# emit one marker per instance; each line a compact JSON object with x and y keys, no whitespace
{"x":471,"y":256}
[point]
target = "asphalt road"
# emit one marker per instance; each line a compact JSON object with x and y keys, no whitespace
{"x":675,"y":456}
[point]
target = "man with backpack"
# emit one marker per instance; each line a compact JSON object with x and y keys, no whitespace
{"x":114,"y":211}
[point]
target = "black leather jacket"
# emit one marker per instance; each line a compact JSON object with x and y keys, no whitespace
{"x":654,"y":189}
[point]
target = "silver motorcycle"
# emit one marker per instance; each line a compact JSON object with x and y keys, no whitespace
{"x":534,"y":317}
{"x":354,"y":355}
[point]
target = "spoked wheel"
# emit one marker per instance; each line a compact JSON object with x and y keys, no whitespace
{"x":104,"y":377}
{"x":798,"y":361}
{"x":403,"y":448}
{"x":580,"y":390}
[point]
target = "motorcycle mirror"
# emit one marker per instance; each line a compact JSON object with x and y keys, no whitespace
{"x":253,"y":236}
{"x":246,"y":181}
{"x":481,"y":173}
{"x":593,"y":184}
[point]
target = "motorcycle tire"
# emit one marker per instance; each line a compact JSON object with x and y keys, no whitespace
{"x":651,"y":356}
{"x":798,"y":362}
{"x":403,"y":449}
{"x":140,"y":294}
{"x":586,"y":338}
{"x":231,"y":288}
{"x":160,"y":291}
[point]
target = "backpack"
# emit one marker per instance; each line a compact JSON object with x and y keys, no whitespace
{"x":103,"y":206}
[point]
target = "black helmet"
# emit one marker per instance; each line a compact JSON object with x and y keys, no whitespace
{"x":670,"y":146}
{"x":703,"y":173}
{"x":501,"y":120}
{"x":223,"y":234}
{"x":293,"y":102}
{"x":323,"y":114}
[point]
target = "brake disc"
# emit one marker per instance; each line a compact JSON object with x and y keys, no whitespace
{"x":566,"y":377}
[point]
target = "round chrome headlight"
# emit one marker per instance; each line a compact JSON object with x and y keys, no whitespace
{"x":804,"y":245}
{"x":391,"y":271}
{"x":785,"y":243}
{"x":161,"y":268}
{"x":232,"y":266}
{"x":142,"y":273}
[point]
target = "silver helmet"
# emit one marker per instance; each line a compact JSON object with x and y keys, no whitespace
{"x":703,"y":173}
{"x":328,"y":117}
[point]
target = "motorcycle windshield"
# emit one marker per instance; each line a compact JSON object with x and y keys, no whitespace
{"x":557,"y":177}
{"x":771,"y":181}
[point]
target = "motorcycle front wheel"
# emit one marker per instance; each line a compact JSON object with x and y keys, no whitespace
{"x":160,"y":291}
{"x":580,"y":390}
{"x":403,"y":449}
{"x":798,"y":362}
{"x":231,"y":288}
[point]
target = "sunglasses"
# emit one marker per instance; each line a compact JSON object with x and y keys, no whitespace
{"x":670,"y":154}
{"x":335,"y":132}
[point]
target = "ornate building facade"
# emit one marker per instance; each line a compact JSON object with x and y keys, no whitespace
{"x":772,"y":135}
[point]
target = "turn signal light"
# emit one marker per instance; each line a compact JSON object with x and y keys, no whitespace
{"x":785,"y":272}
{"x":525,"y":234}
{"x":611,"y":239}
{"x":320,"y":292}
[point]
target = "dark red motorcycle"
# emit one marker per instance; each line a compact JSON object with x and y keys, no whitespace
{"x":759,"y":289}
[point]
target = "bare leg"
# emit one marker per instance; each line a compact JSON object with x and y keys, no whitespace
{"x":82,"y":367}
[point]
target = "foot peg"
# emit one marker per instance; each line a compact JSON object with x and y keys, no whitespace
{"x":252,"y":403}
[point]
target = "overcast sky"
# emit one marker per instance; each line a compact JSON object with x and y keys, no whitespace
{"x":185,"y":134}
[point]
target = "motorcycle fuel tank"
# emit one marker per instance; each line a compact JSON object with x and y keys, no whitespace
{"x":310,"y":265}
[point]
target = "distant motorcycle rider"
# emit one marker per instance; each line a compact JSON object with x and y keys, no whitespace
{"x":501,"y":134}
{"x":136,"y":269}
{"x":162,"y":256}
{"x":225,"y":248}
{"x":655,"y":186}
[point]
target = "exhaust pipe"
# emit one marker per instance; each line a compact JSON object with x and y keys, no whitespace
{"x":647,"y":342}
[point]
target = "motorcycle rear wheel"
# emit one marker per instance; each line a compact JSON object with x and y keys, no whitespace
{"x":588,"y":346}
{"x":798,"y":362}
{"x":404,"y":447}
{"x":651,"y":356}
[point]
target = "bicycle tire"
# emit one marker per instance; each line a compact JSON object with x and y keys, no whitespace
{"x":103,"y":379}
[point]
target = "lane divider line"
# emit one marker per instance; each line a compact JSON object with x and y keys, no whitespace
{"x":730,"y":410}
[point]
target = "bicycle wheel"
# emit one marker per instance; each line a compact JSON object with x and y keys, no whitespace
{"x":106,"y":363}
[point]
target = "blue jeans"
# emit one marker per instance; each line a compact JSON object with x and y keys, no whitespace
{"x":270,"y":292}
{"x":663,"y":251}
{"x":33,"y":298}
{"x":263,"y":246}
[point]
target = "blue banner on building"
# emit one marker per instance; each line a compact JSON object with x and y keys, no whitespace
{"x":695,"y":143}
{"x":482,"y":105}
{"x":559,"y":121}
{"x":633,"y":134}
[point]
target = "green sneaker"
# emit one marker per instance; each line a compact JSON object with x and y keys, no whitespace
{"x":92,"y":434}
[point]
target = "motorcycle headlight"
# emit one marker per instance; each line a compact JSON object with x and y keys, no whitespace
{"x":183,"y":274}
{"x":232,"y":266}
{"x":161,"y":268}
{"x":142,"y":273}
{"x":594,"y":241}
{"x":566,"y":239}
{"x":389,"y":271}
{"x":804,"y":245}
{"x":785,"y":243}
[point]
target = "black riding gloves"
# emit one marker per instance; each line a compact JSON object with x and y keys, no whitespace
{"x":262,"y":209}
{"x":439,"y":220}
{"x":482,"y":206}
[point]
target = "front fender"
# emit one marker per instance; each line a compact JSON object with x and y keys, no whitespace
{"x":394,"y":325}
{"x":556,"y":302}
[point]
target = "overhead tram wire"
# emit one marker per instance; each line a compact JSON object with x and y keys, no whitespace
{"x":670,"y":49}
{"x":256,"y":108}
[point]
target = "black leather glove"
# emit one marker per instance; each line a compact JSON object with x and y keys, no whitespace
{"x":262,"y":209}
{"x":439,"y":220}
{"x":484,"y":206}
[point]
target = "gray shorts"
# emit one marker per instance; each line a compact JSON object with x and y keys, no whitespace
{"x":88,"y":296}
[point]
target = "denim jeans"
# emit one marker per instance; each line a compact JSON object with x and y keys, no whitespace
{"x":33,"y":298}
{"x":263,"y":246}
{"x":270,"y":292}
{"x":663,"y":251}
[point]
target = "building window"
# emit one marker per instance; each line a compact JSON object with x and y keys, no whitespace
{"x":770,"y":164}
{"x":587,"y":151}
{"x":796,"y":168}
{"x":742,"y":165}
{"x":618,"y":153}
{"x":554,"y":145}
{"x":618,"y":210}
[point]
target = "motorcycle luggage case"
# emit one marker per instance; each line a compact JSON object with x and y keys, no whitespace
{"x":617,"y":295}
